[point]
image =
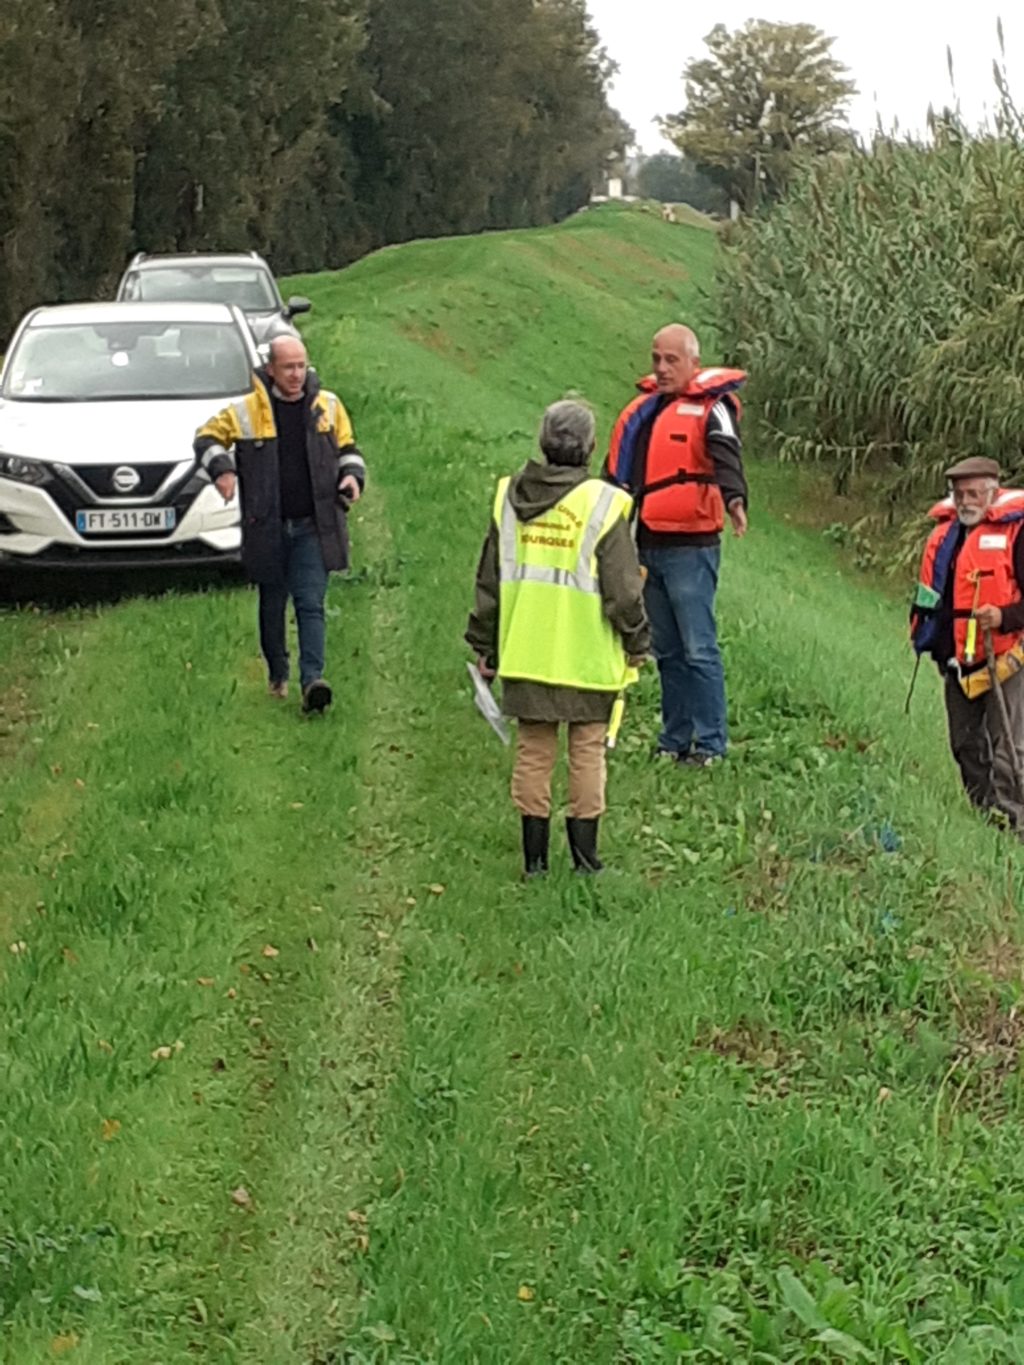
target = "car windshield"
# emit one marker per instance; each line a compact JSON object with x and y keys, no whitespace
{"x":249,"y":286}
{"x":97,"y":362}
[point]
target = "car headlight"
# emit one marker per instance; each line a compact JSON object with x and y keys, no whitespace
{"x":25,"y":471}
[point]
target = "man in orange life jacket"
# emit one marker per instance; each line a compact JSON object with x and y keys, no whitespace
{"x":676,"y":448}
{"x":971,"y":580}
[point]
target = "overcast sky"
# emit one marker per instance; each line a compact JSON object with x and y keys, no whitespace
{"x":896,"y":53}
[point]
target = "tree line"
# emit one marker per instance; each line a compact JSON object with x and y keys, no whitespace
{"x":312,"y":132}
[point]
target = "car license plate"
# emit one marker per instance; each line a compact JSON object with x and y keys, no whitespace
{"x":126,"y":520}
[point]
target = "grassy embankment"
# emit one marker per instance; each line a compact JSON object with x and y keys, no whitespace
{"x":750,"y":1097}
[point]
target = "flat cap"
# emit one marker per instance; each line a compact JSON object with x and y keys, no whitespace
{"x":975,"y":467}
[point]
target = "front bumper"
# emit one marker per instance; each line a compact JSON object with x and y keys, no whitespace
{"x":37,"y":526}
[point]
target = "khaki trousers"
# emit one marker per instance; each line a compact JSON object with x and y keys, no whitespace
{"x":536,"y":752}
{"x":987,"y":763}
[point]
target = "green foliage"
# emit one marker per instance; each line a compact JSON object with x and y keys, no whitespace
{"x":766,"y":93}
{"x":878,"y":308}
{"x":675,"y":180}
{"x":312,"y":133}
{"x":752,"y":1096}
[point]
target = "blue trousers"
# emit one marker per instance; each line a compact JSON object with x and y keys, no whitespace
{"x":305,"y":582}
{"x":679,"y":594}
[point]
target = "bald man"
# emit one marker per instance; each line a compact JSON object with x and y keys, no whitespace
{"x":289,"y":448}
{"x":676,"y":448}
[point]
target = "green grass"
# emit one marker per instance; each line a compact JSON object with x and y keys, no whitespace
{"x":752,"y":1096}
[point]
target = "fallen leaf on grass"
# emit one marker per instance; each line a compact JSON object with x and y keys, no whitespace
{"x":18,"y":948}
{"x":79,"y":784}
{"x":436,"y":889}
{"x":69,"y":957}
{"x":90,"y":1295}
{"x":241,"y":1197}
{"x":104,"y":1046}
{"x":884,"y":1094}
{"x":525,"y":1294}
{"x":312,"y":945}
{"x":109,"y":1129}
{"x":231,"y":992}
{"x":67,"y":1341}
{"x":357,"y":1218}
{"x":205,"y":981}
{"x":270,"y":951}
{"x":296,"y":805}
{"x":165,"y":1053}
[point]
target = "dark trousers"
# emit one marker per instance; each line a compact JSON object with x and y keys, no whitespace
{"x":987,"y":761}
{"x":305,"y":582}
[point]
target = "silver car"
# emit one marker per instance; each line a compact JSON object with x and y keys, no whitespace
{"x":243,"y":279}
{"x":99,"y":405}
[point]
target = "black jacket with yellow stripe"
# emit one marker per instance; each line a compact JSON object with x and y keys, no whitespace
{"x":247,"y":429}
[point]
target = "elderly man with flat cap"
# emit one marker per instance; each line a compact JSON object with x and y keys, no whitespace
{"x":971,"y":595}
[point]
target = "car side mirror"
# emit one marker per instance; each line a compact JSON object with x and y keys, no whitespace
{"x":297,"y":304}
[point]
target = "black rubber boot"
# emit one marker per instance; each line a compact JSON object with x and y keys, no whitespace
{"x":536,"y":829}
{"x":583,"y":844}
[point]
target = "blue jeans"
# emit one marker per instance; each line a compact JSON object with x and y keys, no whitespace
{"x":679,"y":594}
{"x":305,"y":582}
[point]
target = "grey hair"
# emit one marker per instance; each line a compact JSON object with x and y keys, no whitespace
{"x":567,"y":432}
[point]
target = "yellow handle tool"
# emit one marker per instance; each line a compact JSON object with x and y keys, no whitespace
{"x":619,"y":708}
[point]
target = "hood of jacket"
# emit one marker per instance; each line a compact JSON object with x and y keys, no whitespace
{"x":538,"y":487}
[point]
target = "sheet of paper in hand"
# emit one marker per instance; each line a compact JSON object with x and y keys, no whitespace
{"x":487,"y":705}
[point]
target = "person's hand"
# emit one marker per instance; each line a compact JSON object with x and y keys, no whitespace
{"x":225,"y":485}
{"x":486,"y":671}
{"x":989,"y":618}
{"x":349,"y":488}
{"x":738,"y":517}
{"x":636,"y":660}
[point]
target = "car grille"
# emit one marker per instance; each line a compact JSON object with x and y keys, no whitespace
{"x":100,"y":478}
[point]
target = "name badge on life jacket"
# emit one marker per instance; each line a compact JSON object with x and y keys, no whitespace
{"x":992,"y":541}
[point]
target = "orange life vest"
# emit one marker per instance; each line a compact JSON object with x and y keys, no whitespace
{"x":679,"y":491}
{"x":984,"y":576}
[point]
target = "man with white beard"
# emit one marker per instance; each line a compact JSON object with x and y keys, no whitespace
{"x":971,"y":591}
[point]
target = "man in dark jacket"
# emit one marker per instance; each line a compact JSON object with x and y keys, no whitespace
{"x":559,"y":617}
{"x":298,"y":470}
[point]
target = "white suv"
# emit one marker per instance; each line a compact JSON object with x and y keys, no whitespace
{"x":99,"y":405}
{"x":241,"y":278}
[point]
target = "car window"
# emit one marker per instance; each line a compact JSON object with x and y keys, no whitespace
{"x":86,"y":362}
{"x":249,"y":286}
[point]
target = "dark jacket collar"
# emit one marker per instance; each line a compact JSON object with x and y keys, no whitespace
{"x":262,"y":377}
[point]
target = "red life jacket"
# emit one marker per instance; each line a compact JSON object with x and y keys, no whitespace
{"x":984,"y":575}
{"x":679,"y":491}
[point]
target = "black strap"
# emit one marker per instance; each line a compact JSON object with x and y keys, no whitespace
{"x":680,"y":476}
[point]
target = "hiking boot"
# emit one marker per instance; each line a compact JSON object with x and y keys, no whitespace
{"x":536,"y":829}
{"x":278,"y":690}
{"x":660,"y":755}
{"x":316,"y":697}
{"x":583,"y":845}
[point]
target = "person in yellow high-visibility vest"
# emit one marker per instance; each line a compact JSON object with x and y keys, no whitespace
{"x":559,"y":618}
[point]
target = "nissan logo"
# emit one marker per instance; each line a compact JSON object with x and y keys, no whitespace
{"x":125,"y":479}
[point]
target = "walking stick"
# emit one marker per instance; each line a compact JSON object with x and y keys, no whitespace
{"x":1004,"y":714}
{"x":913,"y":684}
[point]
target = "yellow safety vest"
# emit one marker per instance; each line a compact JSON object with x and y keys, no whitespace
{"x":552,"y":626}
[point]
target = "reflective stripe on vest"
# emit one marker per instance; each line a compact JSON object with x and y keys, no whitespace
{"x":552,"y":626}
{"x":581,"y":578}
